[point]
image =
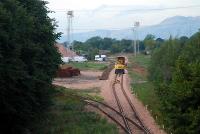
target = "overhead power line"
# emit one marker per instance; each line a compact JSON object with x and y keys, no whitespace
{"x":133,"y":10}
{"x":114,"y":28}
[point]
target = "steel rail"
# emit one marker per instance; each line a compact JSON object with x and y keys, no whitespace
{"x":85,"y":99}
{"x":120,"y":107}
{"x":133,"y":107}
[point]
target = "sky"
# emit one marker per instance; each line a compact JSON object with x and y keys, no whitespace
{"x":118,"y":14}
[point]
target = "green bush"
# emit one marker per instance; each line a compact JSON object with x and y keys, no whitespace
{"x":175,"y":71}
{"x":183,"y":109}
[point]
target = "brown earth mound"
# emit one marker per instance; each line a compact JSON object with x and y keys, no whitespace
{"x":67,"y":72}
{"x":106,"y":72}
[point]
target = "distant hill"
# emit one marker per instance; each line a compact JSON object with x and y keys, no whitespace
{"x":176,"y":26}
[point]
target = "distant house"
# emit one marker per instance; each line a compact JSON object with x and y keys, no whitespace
{"x":65,"y":59}
{"x":79,"y":59}
{"x":66,"y":53}
{"x":100,"y":57}
{"x":69,"y":55}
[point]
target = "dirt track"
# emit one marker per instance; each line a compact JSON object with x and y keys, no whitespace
{"x":89,"y":79}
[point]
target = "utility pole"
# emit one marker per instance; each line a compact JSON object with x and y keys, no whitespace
{"x":136,"y":25}
{"x":134,"y":42}
{"x":138,"y":45}
{"x":70,"y":15}
{"x":138,"y":40}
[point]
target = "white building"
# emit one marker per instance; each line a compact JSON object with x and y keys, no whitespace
{"x":100,"y":57}
{"x":65,"y":59}
{"x":79,"y":59}
{"x":66,"y":53}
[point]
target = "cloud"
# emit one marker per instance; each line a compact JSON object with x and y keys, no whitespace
{"x":93,"y":4}
{"x":117,"y":14}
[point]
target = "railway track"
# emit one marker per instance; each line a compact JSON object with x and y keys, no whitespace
{"x":101,"y":107}
{"x":123,"y":112}
{"x":126,"y":123}
{"x":121,"y":108}
{"x":135,"y":114}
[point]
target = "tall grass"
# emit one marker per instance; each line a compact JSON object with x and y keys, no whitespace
{"x":143,"y":88}
{"x":68,"y":116}
{"x":89,"y":65}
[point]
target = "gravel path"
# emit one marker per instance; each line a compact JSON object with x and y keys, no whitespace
{"x":89,"y":79}
{"x":144,"y":114}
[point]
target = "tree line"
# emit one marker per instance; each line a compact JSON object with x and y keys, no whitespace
{"x":93,"y":45}
{"x":175,"y":72}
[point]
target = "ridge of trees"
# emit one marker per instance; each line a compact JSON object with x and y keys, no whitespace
{"x":175,"y":72}
{"x":92,"y":46}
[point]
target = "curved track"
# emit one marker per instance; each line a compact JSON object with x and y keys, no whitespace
{"x":121,"y":108}
{"x":98,"y":105}
{"x":128,"y":125}
{"x":135,"y":114}
{"x":123,"y":112}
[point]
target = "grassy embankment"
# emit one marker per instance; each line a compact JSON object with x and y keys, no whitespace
{"x":89,"y":65}
{"x":68,"y":116}
{"x":143,"y":88}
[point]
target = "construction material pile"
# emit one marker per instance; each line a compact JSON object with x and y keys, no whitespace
{"x":106,"y":72}
{"x":67,"y":72}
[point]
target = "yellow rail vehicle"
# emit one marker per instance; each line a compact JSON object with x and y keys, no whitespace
{"x":120,"y":65}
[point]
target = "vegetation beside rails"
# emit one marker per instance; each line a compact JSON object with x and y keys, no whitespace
{"x":89,"y":65}
{"x":92,"y":93}
{"x":68,"y":116}
{"x":143,"y":88}
{"x":141,"y":60}
{"x":135,"y":76}
{"x":175,"y":72}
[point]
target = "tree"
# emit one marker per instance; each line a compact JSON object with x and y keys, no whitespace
{"x":183,"y":40}
{"x":161,"y":72}
{"x":92,"y":53}
{"x":95,"y":42}
{"x":163,"y":61}
{"x":149,"y":42}
{"x":28,"y":61}
{"x":184,"y":107}
{"x":115,"y":48}
{"x":125,"y":45}
{"x":175,"y":72}
{"x":78,"y":45}
{"x":107,"y":42}
{"x":159,"y":42}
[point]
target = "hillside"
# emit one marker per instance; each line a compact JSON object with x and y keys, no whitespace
{"x":175,"y":26}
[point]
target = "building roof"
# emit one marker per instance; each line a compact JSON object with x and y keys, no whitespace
{"x":65,"y":52}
